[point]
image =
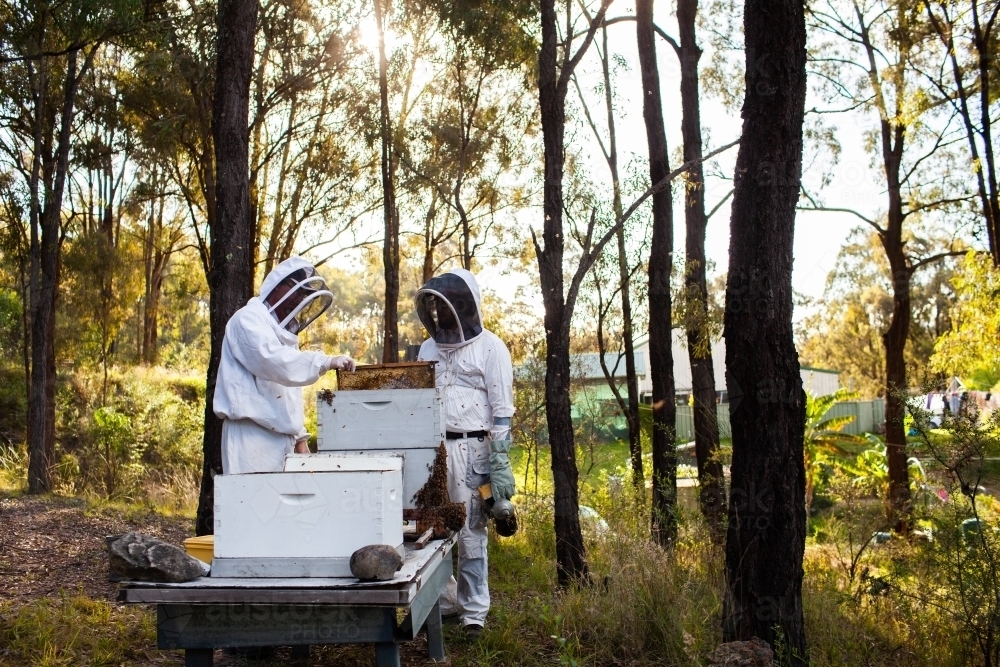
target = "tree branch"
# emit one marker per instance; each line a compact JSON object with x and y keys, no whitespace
{"x":833,"y":209}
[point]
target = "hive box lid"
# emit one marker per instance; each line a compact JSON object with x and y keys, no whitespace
{"x":339,"y":462}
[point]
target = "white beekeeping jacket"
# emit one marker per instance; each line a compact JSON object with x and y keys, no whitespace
{"x":261,"y":375}
{"x":473,"y":368}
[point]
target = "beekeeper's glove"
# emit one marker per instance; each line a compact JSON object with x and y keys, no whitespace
{"x":501,"y":476}
{"x":341,"y":363}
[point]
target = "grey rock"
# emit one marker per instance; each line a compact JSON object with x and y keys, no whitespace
{"x":144,"y":558}
{"x":754,"y":653}
{"x":376,"y":561}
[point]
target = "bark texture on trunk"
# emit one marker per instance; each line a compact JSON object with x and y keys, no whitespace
{"x":894,"y":338}
{"x":390,"y":214}
{"x":661,"y":358}
{"x":553,"y":83}
{"x":765,"y":541}
{"x":230,"y":278}
{"x":45,"y":292}
{"x":712,"y":493}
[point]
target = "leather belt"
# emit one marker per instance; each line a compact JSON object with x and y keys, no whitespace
{"x":452,"y":435}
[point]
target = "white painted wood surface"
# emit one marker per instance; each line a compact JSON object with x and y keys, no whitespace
{"x":389,"y":419}
{"x":417,"y":465}
{"x":308,"y":515}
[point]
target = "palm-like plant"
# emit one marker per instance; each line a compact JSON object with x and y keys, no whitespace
{"x":825,"y":437}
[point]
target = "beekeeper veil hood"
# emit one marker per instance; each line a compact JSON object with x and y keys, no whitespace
{"x":448,"y":307}
{"x":306,"y":299}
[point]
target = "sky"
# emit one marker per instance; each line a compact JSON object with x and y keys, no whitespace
{"x":818,"y":235}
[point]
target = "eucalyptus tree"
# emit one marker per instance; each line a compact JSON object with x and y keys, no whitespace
{"x":48,"y":48}
{"x":469,"y":144}
{"x":558,"y":57}
{"x":308,"y":183}
{"x":870,"y":59}
{"x":628,"y":404}
{"x":660,"y":305}
{"x":765,"y":540}
{"x":967,"y":31}
{"x":231,"y":275}
{"x":694,"y":304}
{"x":390,"y":210}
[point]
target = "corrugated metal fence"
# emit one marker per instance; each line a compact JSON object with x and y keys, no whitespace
{"x":868,"y":417}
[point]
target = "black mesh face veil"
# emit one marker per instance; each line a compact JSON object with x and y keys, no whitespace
{"x":448,"y":310}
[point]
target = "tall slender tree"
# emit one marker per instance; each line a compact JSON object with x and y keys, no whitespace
{"x":230,"y":276}
{"x":767,"y":522}
{"x":49,"y":48}
{"x":712,"y":496}
{"x":390,"y":212}
{"x":977,"y":28}
{"x":661,"y":359}
{"x":554,"y":74}
{"x":628,"y":404}
{"x":885,"y":41}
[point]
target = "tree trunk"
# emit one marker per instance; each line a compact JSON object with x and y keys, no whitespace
{"x":894,"y":338}
{"x":767,"y":521}
{"x":624,"y":275}
{"x":571,"y":563}
{"x":42,"y":403}
{"x":390,"y":214}
{"x":155,"y":260}
{"x":712,"y":492}
{"x":661,"y":358}
{"x":230,"y":279}
{"x":984,"y":42}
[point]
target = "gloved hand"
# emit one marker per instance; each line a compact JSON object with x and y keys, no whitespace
{"x":501,"y":476}
{"x":341,"y":363}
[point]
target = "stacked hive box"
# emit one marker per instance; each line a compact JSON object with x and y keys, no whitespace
{"x":405,"y":419}
{"x":303,"y":523}
{"x":377,"y":447}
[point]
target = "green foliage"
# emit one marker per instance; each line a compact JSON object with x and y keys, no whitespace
{"x":846,"y":326}
{"x":115,"y":451}
{"x":75,"y":630}
{"x":971,"y":348}
{"x":145,"y":444}
{"x":13,"y":404}
{"x":870,"y":472}
{"x":824,"y":438}
{"x":501,"y":29}
{"x":11,"y":323}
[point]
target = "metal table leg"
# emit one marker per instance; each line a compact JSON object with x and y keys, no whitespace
{"x":198,"y":657}
{"x":387,"y":654}
{"x":435,"y":640}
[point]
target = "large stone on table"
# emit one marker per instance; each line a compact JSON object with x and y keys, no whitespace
{"x":144,"y":558}
{"x":376,"y":561}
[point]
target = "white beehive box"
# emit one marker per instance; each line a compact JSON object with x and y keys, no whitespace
{"x":392,"y":419}
{"x":306,"y":524}
{"x":416,"y":466}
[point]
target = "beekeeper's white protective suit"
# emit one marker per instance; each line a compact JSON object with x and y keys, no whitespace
{"x":474,"y":371}
{"x":258,"y":392}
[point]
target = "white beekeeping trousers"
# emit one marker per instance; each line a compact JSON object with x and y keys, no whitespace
{"x":468,"y":468}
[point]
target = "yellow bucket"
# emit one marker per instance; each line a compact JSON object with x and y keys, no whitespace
{"x":202,"y":548}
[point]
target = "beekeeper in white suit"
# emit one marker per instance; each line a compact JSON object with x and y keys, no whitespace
{"x":475,"y":373}
{"x":258,"y":392}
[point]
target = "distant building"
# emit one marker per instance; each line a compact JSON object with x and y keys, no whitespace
{"x":587,"y":367}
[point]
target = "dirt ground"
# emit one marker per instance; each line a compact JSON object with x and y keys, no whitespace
{"x":50,"y":547}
